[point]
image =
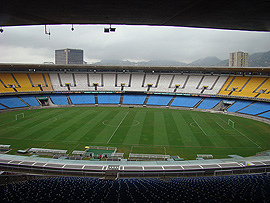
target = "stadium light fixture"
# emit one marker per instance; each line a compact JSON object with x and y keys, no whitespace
{"x":72,"y":28}
{"x":1,"y":30}
{"x":110,"y":29}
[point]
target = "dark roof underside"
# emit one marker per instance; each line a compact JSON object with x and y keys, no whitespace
{"x":223,"y":14}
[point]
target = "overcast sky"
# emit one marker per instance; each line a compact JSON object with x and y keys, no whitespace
{"x":29,"y":44}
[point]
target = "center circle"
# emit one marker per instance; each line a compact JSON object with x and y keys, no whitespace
{"x":134,"y":123}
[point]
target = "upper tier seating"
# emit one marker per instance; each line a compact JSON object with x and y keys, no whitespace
{"x":108,"y":98}
{"x":239,"y":104}
{"x":256,"y":108}
{"x":185,"y":101}
{"x":133,"y":99}
{"x":159,"y":100}
{"x":12,"y":102}
{"x":136,"y":83}
{"x":247,"y":87}
{"x":123,"y":78}
{"x":41,"y":79}
{"x":209,"y":103}
{"x":24,"y":83}
{"x":59,"y":99}
{"x":7,"y":82}
{"x":29,"y":99}
{"x":82,"y":98}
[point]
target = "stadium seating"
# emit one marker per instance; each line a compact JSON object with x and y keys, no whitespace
{"x":239,"y":104}
{"x":59,"y":99}
{"x":133,"y":99}
{"x":29,"y":99}
{"x":2,"y":107}
{"x":164,"y":84}
{"x":41,"y":79}
{"x":159,"y":100}
{"x":12,"y":102}
{"x":24,"y":83}
{"x":7,"y":81}
{"x":136,"y":83}
{"x":265,"y":115}
{"x":123,"y":78}
{"x":256,"y":108}
{"x":185,"y":101}
{"x":209,"y":103}
{"x":109,"y":98}
{"x":82,"y":98}
{"x":239,"y":188}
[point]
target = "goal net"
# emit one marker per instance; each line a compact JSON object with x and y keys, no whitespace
{"x":231,"y":123}
{"x":19,"y":116}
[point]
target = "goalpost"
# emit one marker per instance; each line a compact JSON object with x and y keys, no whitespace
{"x":231,"y":123}
{"x":19,"y":116}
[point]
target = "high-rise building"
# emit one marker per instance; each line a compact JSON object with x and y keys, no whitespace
{"x":69,"y":56}
{"x":238,"y":59}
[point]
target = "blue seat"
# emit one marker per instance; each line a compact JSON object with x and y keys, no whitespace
{"x":109,"y":98}
{"x":209,"y":103}
{"x":59,"y":99}
{"x":12,"y":102}
{"x":30,"y":99}
{"x":159,"y":100}
{"x":185,"y":101}
{"x":134,"y":99}
{"x":82,"y":98}
{"x":239,"y":104}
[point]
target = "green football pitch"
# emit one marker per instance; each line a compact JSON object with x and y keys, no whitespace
{"x":136,"y":130}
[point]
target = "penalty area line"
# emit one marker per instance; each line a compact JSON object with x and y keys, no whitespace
{"x":241,"y":133}
{"x":117,"y":127}
{"x":199,"y":126}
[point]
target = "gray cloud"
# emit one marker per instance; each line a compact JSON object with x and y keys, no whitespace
{"x":31,"y":45}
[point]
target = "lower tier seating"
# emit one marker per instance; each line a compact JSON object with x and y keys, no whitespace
{"x":240,"y":188}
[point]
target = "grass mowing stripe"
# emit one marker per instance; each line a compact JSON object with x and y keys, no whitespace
{"x":243,"y":135}
{"x":147,"y":135}
{"x":76,"y":124}
{"x":188,"y":137}
{"x":174,"y":136}
{"x":201,"y":138}
{"x":160,"y":133}
{"x":117,"y":127}
{"x":94,"y":132}
{"x":122,"y":132}
{"x":134,"y":134}
{"x":229,"y":138}
{"x":24,"y":131}
{"x":86,"y":127}
{"x":49,"y":128}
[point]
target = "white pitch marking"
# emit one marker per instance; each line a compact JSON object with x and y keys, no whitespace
{"x":242,"y":134}
{"x":199,"y":127}
{"x":220,"y":125}
{"x":117,"y":127}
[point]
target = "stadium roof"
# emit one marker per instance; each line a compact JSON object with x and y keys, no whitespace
{"x":54,"y":67}
{"x":223,"y":14}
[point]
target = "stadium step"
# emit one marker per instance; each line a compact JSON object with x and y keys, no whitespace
{"x":169,"y":104}
{"x":69,"y":100}
{"x":23,"y":101}
{"x":146,"y":100}
{"x":196,"y":105}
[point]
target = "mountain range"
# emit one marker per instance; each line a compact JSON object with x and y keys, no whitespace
{"x":261,"y":59}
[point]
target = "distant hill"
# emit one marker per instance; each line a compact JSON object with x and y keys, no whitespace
{"x":261,"y":59}
{"x":208,"y":61}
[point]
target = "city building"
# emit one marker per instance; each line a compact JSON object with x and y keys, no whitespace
{"x":238,"y":59}
{"x":69,"y":56}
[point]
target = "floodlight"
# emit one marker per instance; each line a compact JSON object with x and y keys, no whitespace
{"x":1,"y":30}
{"x":106,"y":30}
{"x":112,"y":29}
